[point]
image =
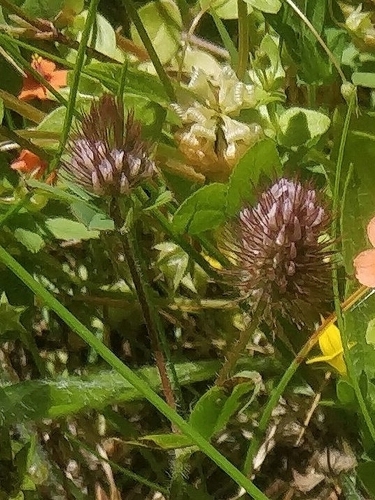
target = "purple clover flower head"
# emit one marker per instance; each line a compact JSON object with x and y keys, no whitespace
{"x":279,"y":252}
{"x":106,"y":153}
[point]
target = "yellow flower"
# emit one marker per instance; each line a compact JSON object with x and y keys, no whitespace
{"x":331,"y":346}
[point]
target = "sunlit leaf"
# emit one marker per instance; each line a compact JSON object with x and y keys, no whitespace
{"x":66,"y":229}
{"x":162,"y":21}
{"x":202,"y":211}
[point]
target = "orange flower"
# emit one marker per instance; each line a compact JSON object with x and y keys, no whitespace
{"x":47,"y":69}
{"x":29,"y":163}
{"x":364,"y":263}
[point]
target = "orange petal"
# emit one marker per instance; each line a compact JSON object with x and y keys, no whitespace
{"x":28,"y":162}
{"x":43,"y":66}
{"x":37,"y":92}
{"x":364,"y":265}
{"x":371,"y":231}
{"x":59,"y":78}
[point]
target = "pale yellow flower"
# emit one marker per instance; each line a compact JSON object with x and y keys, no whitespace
{"x":211,"y":139}
{"x":332,"y":350}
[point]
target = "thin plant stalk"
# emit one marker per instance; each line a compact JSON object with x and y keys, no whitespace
{"x":285,"y":379}
{"x":243,"y":39}
{"x":134,"y":16}
{"x":79,"y":63}
{"x":130,"y":376}
{"x":23,"y":143}
{"x":109,"y":83}
{"x":340,"y":318}
{"x":239,"y":346}
{"x":225,"y":37}
{"x":135,"y":267}
{"x":322,"y":43}
{"x":79,"y":445}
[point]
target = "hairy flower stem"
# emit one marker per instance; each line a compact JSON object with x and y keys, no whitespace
{"x":279,"y":389}
{"x":155,"y":331}
{"x":239,"y":346}
{"x":148,"y":314}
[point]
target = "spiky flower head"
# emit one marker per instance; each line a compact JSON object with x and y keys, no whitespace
{"x":279,"y":252}
{"x":106,"y":153}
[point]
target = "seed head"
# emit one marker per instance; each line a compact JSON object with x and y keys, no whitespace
{"x":278,"y":252}
{"x":106,"y":153}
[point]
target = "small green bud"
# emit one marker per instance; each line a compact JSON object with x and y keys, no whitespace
{"x":348,"y":91}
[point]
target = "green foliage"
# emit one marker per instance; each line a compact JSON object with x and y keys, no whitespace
{"x":118,"y":314}
{"x":70,"y":395}
{"x":162,"y":21}
{"x":202,"y":211}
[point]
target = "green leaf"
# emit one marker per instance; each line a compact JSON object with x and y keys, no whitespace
{"x":370,"y":332}
{"x":10,"y":316}
{"x":173,"y":262}
{"x":34,"y":400}
{"x":54,"y":121}
{"x":163,"y":23}
{"x":269,"y":6}
{"x":101,"y":223}
{"x":45,"y":9}
{"x":362,"y":353}
{"x":299,"y":126}
{"x":272,"y":68}
{"x":345,"y":392}
{"x":163,"y":198}
{"x":105,"y":36}
{"x":225,"y":9}
{"x":349,"y":488}
{"x":66,"y":229}
{"x":90,"y":217}
{"x":366,"y":473}
{"x":364,"y":79}
{"x":232,"y":404}
{"x":202,"y":211}
{"x":165,"y":441}
{"x":31,"y":240}
{"x":137,"y":82}
{"x":206,"y":411}
{"x":87,"y":85}
{"x":261,"y":159}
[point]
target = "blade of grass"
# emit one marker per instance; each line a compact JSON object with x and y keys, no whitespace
{"x":22,"y":108}
{"x":130,"y":376}
{"x":70,"y":110}
{"x":337,"y":210}
{"x":226,"y":39}
{"x":243,"y":39}
{"x":322,"y":43}
{"x":24,"y":143}
{"x":59,"y":60}
{"x":134,"y":16}
{"x":78,"y":444}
